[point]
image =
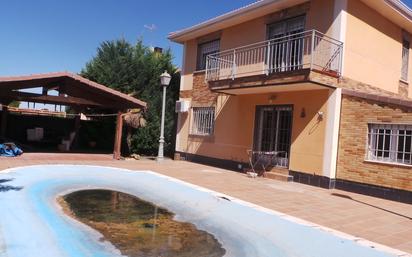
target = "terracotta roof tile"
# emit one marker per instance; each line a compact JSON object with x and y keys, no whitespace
{"x":78,"y":78}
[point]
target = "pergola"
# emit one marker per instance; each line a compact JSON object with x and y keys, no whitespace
{"x":73,"y":90}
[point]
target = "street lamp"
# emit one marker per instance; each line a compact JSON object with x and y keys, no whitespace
{"x":164,"y":81}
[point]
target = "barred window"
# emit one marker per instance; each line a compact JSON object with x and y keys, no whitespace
{"x":204,"y":50}
{"x":405,"y":59}
{"x":203,"y":121}
{"x":390,"y":143}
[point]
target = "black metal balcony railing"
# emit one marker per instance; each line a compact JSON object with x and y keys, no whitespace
{"x":305,"y":50}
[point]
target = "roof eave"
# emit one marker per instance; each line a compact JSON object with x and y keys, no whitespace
{"x":175,"y":36}
{"x":393,"y":10}
{"x":402,"y":9}
{"x":231,"y":17}
{"x":400,"y":14}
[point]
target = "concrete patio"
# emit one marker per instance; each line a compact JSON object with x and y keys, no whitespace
{"x":385,"y":222}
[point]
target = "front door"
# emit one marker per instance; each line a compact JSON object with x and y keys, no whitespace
{"x":273,"y":126}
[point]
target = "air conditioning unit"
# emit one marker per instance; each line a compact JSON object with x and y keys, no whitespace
{"x":182,"y":106}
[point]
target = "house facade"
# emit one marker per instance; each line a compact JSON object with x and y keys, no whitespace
{"x":323,"y":83}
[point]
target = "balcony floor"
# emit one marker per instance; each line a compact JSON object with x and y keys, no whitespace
{"x":298,"y":80}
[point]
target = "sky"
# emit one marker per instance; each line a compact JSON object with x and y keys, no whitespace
{"x":39,"y":36}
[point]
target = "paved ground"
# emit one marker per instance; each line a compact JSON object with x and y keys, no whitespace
{"x":382,"y":221}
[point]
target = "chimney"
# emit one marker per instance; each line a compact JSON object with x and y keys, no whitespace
{"x":158,"y":50}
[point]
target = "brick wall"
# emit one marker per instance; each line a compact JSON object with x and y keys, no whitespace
{"x":356,"y":114}
{"x":403,"y":89}
{"x":185,"y":93}
{"x":201,"y":94}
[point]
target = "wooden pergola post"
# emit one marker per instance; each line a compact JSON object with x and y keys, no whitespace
{"x":118,"y":136}
{"x":3,"y":128}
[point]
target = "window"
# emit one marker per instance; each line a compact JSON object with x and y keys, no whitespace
{"x":390,"y":143}
{"x":287,"y":48}
{"x":203,"y":121}
{"x":204,"y":50}
{"x":405,"y":59}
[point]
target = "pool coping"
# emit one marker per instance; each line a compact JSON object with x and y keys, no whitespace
{"x":343,"y":235}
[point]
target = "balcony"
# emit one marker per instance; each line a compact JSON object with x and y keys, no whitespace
{"x":308,"y":50}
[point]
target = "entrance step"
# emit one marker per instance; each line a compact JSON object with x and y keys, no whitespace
{"x":279,"y":174}
{"x":280,"y":170}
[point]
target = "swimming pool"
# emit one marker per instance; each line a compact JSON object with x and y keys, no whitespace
{"x":32,"y":223}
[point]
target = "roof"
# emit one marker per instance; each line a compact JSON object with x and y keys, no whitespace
{"x":77,"y":90}
{"x":394,"y":10}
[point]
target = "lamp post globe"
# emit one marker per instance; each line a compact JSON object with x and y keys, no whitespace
{"x":164,"y":81}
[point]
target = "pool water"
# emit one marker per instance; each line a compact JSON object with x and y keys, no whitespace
{"x":139,"y":228}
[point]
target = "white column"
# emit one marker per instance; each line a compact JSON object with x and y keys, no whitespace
{"x":339,"y":25}
{"x":330,"y":154}
{"x":180,"y":123}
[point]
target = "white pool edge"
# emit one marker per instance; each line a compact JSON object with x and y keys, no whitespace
{"x":343,"y":235}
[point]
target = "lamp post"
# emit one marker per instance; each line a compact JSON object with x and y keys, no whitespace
{"x":164,"y":81}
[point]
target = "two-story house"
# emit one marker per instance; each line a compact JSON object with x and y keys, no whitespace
{"x":323,"y":83}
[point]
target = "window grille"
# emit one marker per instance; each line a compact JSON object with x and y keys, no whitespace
{"x":203,"y":121}
{"x":204,"y":50}
{"x":405,"y":59}
{"x":390,"y":143}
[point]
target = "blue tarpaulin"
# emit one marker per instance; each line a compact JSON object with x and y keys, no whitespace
{"x":10,"y":150}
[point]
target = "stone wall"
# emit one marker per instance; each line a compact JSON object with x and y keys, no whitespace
{"x":355,"y":116}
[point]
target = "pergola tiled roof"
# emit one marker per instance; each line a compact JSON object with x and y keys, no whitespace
{"x":73,"y":89}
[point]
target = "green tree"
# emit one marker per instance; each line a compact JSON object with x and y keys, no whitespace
{"x":15,"y":104}
{"x":135,"y":70}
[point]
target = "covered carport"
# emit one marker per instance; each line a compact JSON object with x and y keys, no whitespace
{"x":74,"y":91}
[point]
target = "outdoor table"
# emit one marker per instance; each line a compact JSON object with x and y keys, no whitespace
{"x":264,"y":159}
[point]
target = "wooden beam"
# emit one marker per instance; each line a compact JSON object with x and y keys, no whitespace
{"x":76,"y":90}
{"x":77,"y":125}
{"x":25,"y":84}
{"x":118,"y":137}
{"x":49,"y":99}
{"x":44,"y":91}
{"x":54,"y":85}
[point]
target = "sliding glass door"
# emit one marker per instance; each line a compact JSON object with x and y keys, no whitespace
{"x":273,"y":127}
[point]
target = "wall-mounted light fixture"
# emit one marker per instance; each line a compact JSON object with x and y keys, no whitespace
{"x":272,"y":98}
{"x":320,"y":116}
{"x":303,"y":113}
